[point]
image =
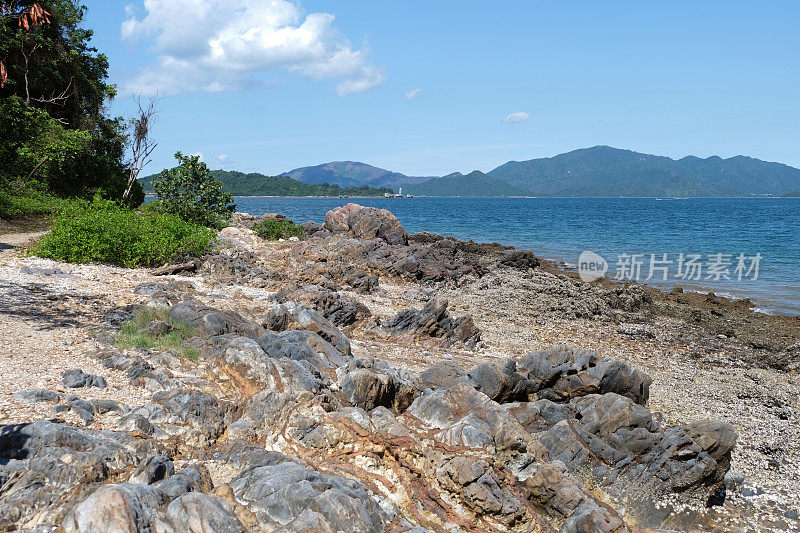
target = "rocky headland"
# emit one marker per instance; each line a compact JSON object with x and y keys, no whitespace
{"x":364,"y":379}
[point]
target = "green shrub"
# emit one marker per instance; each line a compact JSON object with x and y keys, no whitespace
{"x":272,"y":230}
{"x":14,"y":205}
{"x":132,"y":334}
{"x":102,"y":231}
{"x":191,"y":192}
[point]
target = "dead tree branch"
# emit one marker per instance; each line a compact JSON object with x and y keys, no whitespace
{"x":142,"y":144}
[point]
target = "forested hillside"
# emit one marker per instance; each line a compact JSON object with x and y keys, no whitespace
{"x":255,"y":184}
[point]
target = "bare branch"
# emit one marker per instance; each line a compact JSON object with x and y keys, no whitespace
{"x":27,"y":57}
{"x":57,"y":99}
{"x":142,"y":144}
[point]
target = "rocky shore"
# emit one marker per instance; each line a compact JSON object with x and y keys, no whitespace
{"x":364,"y":379}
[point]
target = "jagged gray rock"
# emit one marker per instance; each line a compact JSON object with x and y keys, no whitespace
{"x":77,"y":378}
{"x":434,"y":321}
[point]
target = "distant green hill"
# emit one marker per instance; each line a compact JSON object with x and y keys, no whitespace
{"x":606,"y":171}
{"x":255,"y":184}
{"x":473,"y":184}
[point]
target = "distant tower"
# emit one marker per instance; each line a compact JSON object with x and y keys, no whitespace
{"x":401,"y":191}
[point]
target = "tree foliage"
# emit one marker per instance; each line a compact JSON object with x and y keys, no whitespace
{"x":54,"y":131}
{"x":191,"y":192}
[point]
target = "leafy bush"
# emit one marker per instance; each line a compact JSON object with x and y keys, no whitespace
{"x":191,"y":192}
{"x":133,"y":334}
{"x":272,"y":230}
{"x":102,"y":231}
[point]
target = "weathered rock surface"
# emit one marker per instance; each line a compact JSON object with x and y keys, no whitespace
{"x":507,"y":443}
{"x":44,"y":467}
{"x":434,"y":321}
{"x":366,"y":223}
{"x":279,"y":495}
{"x":78,"y":378}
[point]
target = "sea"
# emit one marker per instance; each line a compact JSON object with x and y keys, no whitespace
{"x":734,"y":247}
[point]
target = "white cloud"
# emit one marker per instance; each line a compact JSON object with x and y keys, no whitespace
{"x":410,"y":95}
{"x":519,"y":116}
{"x":212,"y":45}
{"x":224,"y":159}
{"x":198,"y":154}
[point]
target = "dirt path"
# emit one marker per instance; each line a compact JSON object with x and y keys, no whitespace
{"x":47,"y":313}
{"x":15,"y":240}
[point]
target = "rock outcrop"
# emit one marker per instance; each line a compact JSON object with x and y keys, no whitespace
{"x":366,"y":223}
{"x":283,"y":425}
{"x":317,"y":439}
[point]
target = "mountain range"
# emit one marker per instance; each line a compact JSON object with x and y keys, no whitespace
{"x":255,"y":184}
{"x":598,"y":171}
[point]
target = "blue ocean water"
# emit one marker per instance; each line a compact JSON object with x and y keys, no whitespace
{"x":562,"y":228}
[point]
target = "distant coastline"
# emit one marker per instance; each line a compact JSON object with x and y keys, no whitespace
{"x":785,"y":197}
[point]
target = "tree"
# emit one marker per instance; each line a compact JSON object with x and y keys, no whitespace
{"x":48,"y":64}
{"x":27,"y":18}
{"x":191,"y":192}
{"x":52,"y":64}
{"x":142,"y":145}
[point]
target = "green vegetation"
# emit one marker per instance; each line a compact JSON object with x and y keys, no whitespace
{"x":135,"y":334}
{"x":272,"y":230}
{"x":795,"y":194}
{"x":102,"y":231}
{"x":54,"y":136}
{"x":13,"y":206}
{"x":191,"y":192}
{"x":254,"y":184}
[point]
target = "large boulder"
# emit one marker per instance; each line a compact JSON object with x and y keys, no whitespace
{"x":468,"y":418}
{"x":195,"y":417}
{"x":611,"y":439}
{"x":212,"y":322}
{"x":366,"y":223}
{"x":201,"y":513}
{"x":341,"y":309}
{"x":369,"y":384}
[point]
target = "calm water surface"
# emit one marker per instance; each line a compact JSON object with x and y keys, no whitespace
{"x":562,"y":228}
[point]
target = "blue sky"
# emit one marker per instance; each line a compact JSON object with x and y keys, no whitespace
{"x":428,"y":88}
